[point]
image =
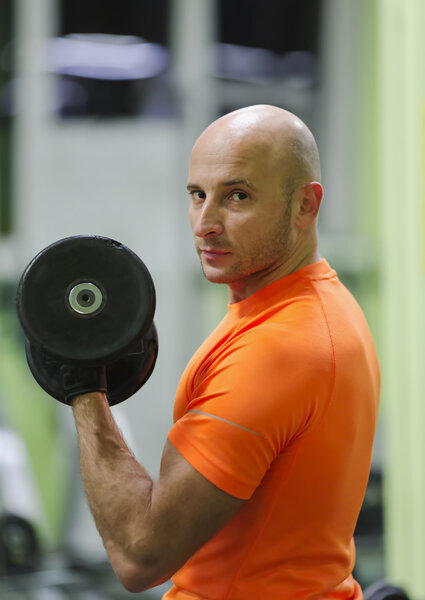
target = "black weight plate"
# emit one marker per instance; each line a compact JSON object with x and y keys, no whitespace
{"x":126,"y":289}
{"x":45,"y":370}
{"x":124,"y":376}
{"x":127,"y":375}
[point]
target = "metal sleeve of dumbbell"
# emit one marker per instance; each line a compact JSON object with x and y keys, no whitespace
{"x":89,"y":301}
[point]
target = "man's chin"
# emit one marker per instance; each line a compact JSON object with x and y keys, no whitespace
{"x":214,"y":276}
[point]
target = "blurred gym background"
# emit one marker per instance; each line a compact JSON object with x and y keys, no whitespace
{"x":100,"y":103}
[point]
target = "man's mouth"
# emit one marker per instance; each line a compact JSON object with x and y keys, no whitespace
{"x":212,"y":253}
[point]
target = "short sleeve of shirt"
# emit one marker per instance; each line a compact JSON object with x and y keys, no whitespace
{"x":249,"y":403}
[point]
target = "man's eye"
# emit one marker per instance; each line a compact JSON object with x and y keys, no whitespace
{"x":238,"y":196}
{"x":197,"y":195}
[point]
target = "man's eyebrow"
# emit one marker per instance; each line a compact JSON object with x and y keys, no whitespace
{"x":242,"y":181}
{"x":228,"y":183}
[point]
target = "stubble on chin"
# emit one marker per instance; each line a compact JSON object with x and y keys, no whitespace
{"x":231,"y":275}
{"x":213,"y":277}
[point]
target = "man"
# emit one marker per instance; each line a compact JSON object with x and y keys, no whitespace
{"x":264,"y":471}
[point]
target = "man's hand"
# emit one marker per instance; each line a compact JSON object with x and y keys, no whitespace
{"x":79,"y":380}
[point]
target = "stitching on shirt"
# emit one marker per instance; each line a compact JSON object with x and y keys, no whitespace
{"x":199,"y":412}
{"x":188,"y":592}
{"x":333,"y":353}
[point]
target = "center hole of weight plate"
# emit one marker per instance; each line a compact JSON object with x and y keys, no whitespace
{"x":85,"y":298}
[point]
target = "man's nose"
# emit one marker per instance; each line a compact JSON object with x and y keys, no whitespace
{"x":208,"y":220}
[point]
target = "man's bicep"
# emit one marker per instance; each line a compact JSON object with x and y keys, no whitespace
{"x":186,"y":508}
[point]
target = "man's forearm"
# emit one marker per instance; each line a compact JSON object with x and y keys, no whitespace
{"x":118,"y":488}
{"x":149,"y":529}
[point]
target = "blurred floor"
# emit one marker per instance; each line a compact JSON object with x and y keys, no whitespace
{"x":59,"y":580}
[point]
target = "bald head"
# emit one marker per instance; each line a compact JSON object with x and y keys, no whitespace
{"x":272,"y":133}
{"x":255,"y":196}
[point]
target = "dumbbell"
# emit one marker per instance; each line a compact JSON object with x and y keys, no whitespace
{"x":88,"y":301}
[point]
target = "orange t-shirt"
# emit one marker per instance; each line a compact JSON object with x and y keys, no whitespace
{"x":278,"y":406}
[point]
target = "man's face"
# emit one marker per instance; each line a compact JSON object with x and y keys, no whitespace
{"x":240,"y":217}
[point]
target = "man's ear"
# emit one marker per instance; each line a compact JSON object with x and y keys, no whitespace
{"x":308,"y":200}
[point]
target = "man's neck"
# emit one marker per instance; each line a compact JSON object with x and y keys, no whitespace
{"x":242,"y":289}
